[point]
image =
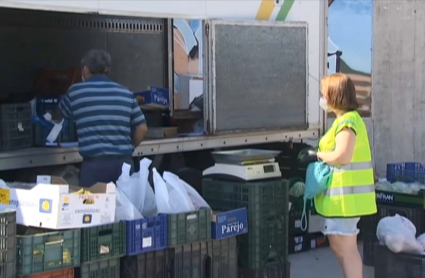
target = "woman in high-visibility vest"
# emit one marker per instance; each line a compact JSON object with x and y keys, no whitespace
{"x":351,"y":194}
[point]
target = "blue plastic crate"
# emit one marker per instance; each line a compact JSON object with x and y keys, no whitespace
{"x":406,"y":172}
{"x":147,"y":234}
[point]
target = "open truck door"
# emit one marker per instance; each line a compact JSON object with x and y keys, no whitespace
{"x":257,"y":74}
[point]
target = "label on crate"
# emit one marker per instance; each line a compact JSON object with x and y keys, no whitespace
{"x":147,"y":242}
{"x":297,"y":223}
{"x":401,"y":199}
{"x":4,"y":196}
{"x":103,"y":249}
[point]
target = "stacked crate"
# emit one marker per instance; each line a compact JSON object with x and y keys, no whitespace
{"x":101,"y":250}
{"x":15,"y":126}
{"x":291,"y":169}
{"x":391,"y":203}
{"x":177,"y":246}
{"x":42,"y":254}
{"x":8,"y":244}
{"x":146,"y":254}
{"x":263,"y":251}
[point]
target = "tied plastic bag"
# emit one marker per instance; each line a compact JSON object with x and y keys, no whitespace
{"x":191,"y":194}
{"x":170,"y":197}
{"x":398,"y":234}
{"x":147,"y":196}
{"x":125,"y":210}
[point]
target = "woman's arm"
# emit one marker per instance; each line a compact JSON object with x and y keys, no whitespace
{"x":345,"y":142}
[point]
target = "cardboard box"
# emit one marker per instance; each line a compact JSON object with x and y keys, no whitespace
{"x":50,"y":204}
{"x":230,"y":223}
{"x":155,"y":97}
{"x":191,"y":86}
{"x":315,"y":223}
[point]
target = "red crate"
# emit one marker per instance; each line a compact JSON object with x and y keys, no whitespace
{"x":63,"y":273}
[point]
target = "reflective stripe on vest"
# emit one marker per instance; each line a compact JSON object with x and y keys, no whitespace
{"x":359,"y":189}
{"x":353,"y":166}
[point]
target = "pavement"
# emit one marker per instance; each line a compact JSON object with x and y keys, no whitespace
{"x":321,"y":263}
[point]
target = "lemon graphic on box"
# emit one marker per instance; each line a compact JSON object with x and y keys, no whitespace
{"x":45,"y":206}
{"x":87,"y":218}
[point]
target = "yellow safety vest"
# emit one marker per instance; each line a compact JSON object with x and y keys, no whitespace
{"x":352,"y":191}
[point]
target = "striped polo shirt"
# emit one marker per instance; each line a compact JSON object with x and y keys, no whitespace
{"x":105,"y":114}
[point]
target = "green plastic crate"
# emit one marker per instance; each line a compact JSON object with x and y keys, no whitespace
{"x":267,"y":204}
{"x":212,"y":259}
{"x":103,"y":242}
{"x":109,"y":268}
{"x":184,"y":228}
{"x":48,"y":251}
{"x":8,"y":244}
{"x":224,"y":258}
{"x":190,"y":261}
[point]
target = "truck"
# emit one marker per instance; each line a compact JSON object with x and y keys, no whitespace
{"x":262,"y":62}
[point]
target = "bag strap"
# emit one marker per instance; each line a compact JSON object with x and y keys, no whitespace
{"x":304,"y":220}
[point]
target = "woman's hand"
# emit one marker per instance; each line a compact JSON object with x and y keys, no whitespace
{"x":307,"y":155}
{"x":345,"y":142}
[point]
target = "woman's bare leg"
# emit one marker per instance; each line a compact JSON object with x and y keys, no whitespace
{"x":347,"y":253}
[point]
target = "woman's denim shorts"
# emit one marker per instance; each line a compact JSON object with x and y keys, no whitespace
{"x":340,"y":226}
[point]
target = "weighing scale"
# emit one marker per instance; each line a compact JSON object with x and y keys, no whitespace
{"x":244,"y":165}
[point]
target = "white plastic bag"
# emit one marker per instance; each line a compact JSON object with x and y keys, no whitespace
{"x":178,"y":190}
{"x":147,"y":196}
{"x":161,"y":193}
{"x":170,"y":196}
{"x":421,"y":240}
{"x":125,"y":210}
{"x":197,"y":200}
{"x":397,"y":234}
{"x":130,"y":186}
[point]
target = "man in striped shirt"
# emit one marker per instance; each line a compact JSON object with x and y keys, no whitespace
{"x":108,"y":119}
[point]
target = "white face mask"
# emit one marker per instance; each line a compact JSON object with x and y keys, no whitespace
{"x":324,"y":104}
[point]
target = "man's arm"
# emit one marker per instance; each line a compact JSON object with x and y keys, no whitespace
{"x":138,"y":124}
{"x":63,"y":110}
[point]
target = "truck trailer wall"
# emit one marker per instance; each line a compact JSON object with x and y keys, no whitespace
{"x":312,"y":12}
{"x":398,"y":76}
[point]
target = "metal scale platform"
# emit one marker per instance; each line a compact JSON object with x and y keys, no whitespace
{"x":244,"y":165}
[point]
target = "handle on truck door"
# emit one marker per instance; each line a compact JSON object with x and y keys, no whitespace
{"x":105,"y":241}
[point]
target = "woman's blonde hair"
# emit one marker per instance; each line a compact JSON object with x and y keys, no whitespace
{"x":340,"y":92}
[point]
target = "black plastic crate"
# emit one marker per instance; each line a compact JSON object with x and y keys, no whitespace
{"x":224,"y":258}
{"x":281,"y":270}
{"x":47,"y":251}
{"x":190,"y":261}
{"x":370,"y":223}
{"x":400,"y":199}
{"x":400,"y":265}
{"x":294,"y":223}
{"x":152,"y":264}
{"x":15,"y":126}
{"x":103,"y":242}
{"x":184,"y":228}
{"x":8,"y":244}
{"x":109,"y":268}
{"x":267,"y":204}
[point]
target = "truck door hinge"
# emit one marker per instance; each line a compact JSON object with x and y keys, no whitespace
{"x":207,"y":29}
